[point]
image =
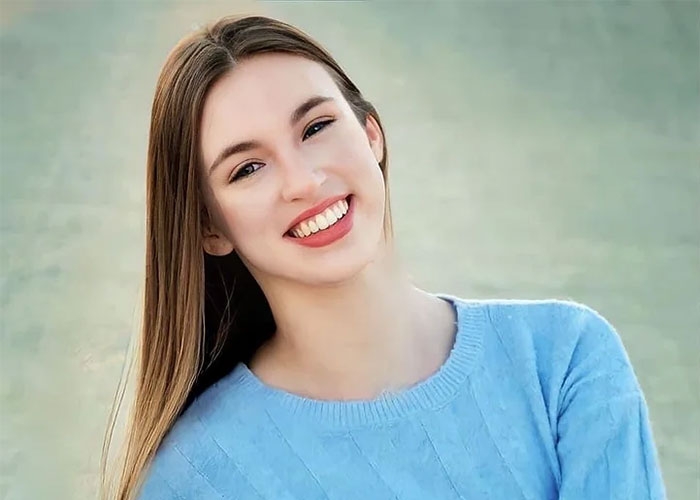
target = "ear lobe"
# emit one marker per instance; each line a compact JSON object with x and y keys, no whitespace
{"x":217,"y":246}
{"x":376,"y":138}
{"x":215,"y":243}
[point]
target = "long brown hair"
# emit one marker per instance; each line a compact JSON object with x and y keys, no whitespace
{"x":202,"y":315}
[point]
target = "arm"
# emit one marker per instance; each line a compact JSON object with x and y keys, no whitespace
{"x":604,"y":440}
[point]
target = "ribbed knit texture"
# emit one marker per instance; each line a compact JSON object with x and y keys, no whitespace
{"x":537,"y":400}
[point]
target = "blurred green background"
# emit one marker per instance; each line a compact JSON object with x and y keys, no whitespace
{"x":538,"y":149}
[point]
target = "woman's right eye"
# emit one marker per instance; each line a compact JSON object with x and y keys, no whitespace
{"x":246,"y":170}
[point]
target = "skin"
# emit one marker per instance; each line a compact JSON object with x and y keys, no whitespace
{"x":350,"y":324}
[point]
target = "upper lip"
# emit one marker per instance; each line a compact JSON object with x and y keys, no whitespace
{"x":315,"y":210}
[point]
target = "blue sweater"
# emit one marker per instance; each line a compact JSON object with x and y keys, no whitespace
{"x":536,"y":400}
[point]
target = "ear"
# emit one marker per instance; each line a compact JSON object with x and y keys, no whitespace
{"x":375,"y":136}
{"x":214,"y":241}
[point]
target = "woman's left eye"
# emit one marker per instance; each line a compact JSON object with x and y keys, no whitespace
{"x":316,"y":128}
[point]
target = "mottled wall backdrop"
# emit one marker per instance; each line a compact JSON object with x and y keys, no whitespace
{"x":539,"y":149}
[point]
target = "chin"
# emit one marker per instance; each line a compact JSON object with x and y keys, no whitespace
{"x":333,"y":276}
{"x":333,"y":269}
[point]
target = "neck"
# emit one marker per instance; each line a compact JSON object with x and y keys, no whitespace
{"x":355,"y":340}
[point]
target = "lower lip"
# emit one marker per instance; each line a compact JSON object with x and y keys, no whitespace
{"x":331,"y":234}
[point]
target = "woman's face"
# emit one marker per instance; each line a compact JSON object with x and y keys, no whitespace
{"x":277,"y":140}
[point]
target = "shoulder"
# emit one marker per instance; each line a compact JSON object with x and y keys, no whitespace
{"x":558,"y":341}
{"x":191,"y":458}
{"x":178,"y":469}
{"x":563,"y":325}
{"x":550,"y":314}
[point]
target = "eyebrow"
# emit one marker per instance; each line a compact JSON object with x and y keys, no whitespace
{"x":244,"y":146}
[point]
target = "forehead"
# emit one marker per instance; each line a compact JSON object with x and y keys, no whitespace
{"x":259,"y":93}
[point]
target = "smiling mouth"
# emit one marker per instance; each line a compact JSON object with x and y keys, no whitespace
{"x":323,"y":221}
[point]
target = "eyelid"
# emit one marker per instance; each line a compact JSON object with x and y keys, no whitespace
{"x":318,"y":119}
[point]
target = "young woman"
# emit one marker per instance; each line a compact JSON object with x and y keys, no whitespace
{"x":285,"y":353}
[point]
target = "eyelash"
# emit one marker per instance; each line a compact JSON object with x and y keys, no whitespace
{"x":323,"y":123}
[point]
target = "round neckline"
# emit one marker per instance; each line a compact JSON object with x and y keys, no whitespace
{"x":434,"y":391}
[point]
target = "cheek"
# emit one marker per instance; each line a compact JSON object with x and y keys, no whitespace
{"x":351,"y":149}
{"x":245,"y":219}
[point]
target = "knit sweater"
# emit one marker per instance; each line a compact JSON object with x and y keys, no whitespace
{"x":536,"y":400}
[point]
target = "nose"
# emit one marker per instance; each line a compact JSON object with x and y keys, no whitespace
{"x":301,"y":180}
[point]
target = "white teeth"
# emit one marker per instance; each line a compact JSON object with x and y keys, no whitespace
{"x":322,"y":221}
{"x":330,"y":216}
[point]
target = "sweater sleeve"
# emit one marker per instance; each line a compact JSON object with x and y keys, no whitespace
{"x":604,"y":440}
